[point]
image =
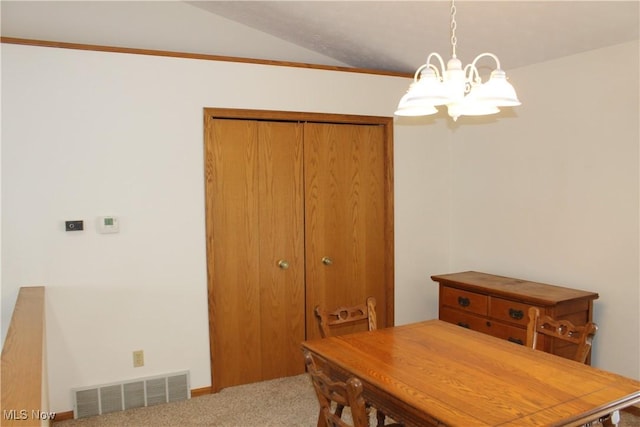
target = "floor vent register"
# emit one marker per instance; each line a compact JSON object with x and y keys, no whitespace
{"x":106,"y":398}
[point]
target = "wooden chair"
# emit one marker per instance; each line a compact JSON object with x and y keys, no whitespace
{"x":582,"y":336}
{"x":344,"y":315}
{"x":338,"y":395}
{"x":328,"y":320}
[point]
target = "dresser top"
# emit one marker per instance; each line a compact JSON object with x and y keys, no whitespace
{"x":509,"y":287}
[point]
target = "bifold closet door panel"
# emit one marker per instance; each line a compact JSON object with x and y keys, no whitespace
{"x":344,"y":217}
{"x":255,"y":220}
{"x":282,"y":293}
{"x":234,"y":251}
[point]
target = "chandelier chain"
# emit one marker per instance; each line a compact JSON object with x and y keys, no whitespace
{"x":454,"y":40}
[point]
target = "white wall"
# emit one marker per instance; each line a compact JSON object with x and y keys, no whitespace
{"x":422,"y":220}
{"x":553,"y":195}
{"x":88,"y":134}
{"x":545,"y":193}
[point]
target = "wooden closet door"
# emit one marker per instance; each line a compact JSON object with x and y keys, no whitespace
{"x":282,"y":286}
{"x":345,"y":218}
{"x":254,"y":219}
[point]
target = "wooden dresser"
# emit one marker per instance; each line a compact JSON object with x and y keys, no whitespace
{"x":499,"y":306}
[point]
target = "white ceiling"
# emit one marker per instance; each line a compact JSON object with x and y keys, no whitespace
{"x":382,"y":35}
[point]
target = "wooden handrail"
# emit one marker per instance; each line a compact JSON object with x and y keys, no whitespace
{"x":23,"y":386}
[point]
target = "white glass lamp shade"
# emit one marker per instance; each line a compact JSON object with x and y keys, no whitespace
{"x":498,"y":91}
{"x":471,"y":106}
{"x":429,"y":90}
{"x":410,"y":105}
{"x":406,"y":108}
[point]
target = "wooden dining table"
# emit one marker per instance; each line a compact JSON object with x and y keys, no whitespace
{"x":436,"y":373}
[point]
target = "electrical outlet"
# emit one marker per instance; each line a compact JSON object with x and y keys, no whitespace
{"x":138,"y":358}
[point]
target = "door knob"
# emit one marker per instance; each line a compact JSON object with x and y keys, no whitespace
{"x":283,"y":264}
{"x":327,"y":261}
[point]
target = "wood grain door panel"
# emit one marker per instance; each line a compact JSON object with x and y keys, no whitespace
{"x":344,"y":217}
{"x":281,"y":226}
{"x":233,"y":217}
{"x":256,"y":218}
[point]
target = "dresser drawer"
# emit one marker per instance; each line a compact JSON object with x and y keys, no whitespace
{"x":466,"y":320}
{"x":484,"y":325}
{"x":510,"y":311}
{"x":510,"y":333}
{"x":463,"y":300}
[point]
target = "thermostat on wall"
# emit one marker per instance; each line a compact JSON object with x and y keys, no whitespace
{"x":108,"y":224}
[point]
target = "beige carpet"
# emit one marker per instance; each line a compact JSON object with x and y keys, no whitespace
{"x":285,"y":402}
{"x":281,"y":402}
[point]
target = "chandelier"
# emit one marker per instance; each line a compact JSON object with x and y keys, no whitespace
{"x":460,"y":89}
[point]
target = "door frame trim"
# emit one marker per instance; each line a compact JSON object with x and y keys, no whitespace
{"x":292,"y":116}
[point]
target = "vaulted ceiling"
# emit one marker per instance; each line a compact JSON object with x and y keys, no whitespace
{"x":382,"y":35}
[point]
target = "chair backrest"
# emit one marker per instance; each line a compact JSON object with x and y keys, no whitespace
{"x":343,"y":315}
{"x":341,"y":394}
{"x":581,"y":336}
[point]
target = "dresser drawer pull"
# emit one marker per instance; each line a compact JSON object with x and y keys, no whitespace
{"x":516,"y":314}
{"x":464,"y":325}
{"x":515,"y":340}
{"x":464,"y":302}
